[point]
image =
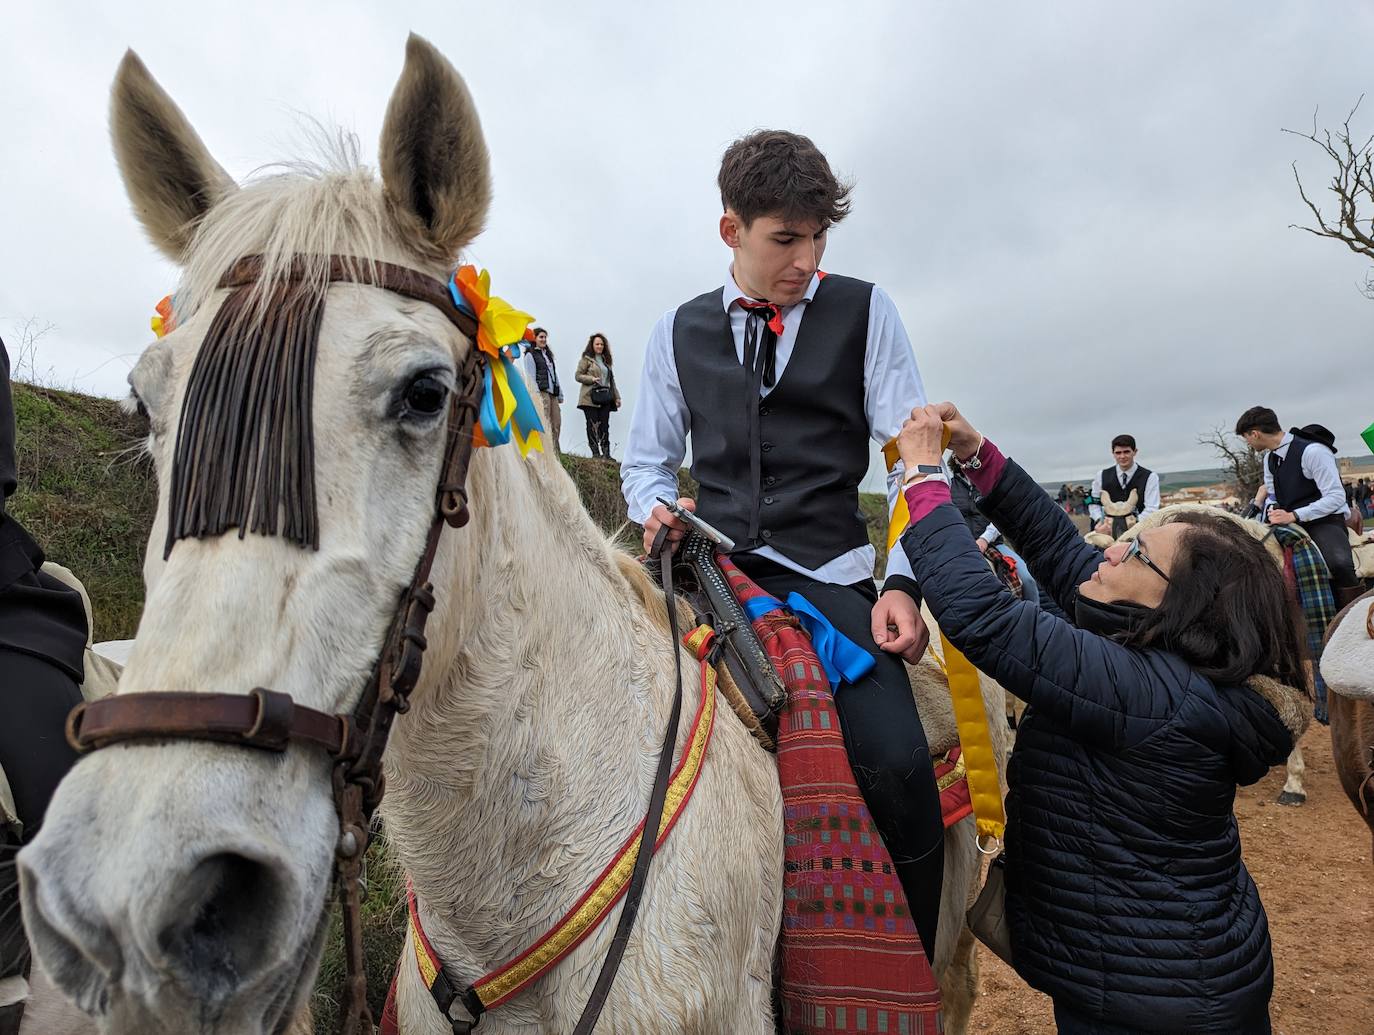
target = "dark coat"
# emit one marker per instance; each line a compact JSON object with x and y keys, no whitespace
{"x":38,"y":614}
{"x":1126,"y":894}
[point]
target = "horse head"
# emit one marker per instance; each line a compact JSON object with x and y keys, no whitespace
{"x":297,"y":427}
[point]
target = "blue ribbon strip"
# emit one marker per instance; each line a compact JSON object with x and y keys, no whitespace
{"x":844,"y":660}
{"x":525,"y":417}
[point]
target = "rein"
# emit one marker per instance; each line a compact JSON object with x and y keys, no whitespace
{"x":267,"y":720}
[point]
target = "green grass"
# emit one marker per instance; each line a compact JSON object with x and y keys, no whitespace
{"x":86,"y":494}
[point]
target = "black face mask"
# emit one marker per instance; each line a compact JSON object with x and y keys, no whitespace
{"x":1116,"y":619}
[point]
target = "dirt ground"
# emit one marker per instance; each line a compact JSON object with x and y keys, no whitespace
{"x":1316,"y":879}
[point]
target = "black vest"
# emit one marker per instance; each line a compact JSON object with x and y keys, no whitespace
{"x":545,"y":375}
{"x":799,"y":491}
{"x":1292,"y":488}
{"x":1113,"y":490}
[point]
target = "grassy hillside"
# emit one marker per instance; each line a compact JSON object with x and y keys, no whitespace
{"x":86,"y":494}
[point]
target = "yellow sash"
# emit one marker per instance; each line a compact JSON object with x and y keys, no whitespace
{"x":964,"y":690}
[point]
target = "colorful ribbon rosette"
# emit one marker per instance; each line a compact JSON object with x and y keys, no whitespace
{"x":507,"y":410}
{"x":165,"y":322}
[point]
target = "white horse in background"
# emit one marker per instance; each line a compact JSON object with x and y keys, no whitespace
{"x":183,"y":886}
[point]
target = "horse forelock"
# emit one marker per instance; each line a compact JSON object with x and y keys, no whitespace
{"x":244,"y":454}
{"x":302,"y":213}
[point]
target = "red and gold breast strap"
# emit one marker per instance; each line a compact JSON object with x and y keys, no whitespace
{"x":503,"y":984}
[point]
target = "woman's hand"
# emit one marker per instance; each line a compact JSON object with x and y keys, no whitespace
{"x":963,"y":437}
{"x":919,"y":441}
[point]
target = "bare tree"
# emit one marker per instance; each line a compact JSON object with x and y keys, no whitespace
{"x":1353,"y":186}
{"x":24,"y":361}
{"x":1241,"y":463}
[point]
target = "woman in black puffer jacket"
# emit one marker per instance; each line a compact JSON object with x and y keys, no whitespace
{"x":1127,"y":898}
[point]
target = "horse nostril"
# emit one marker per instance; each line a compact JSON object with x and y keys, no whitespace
{"x":221,"y":928}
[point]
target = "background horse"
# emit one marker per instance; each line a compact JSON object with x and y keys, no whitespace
{"x":183,"y":886}
{"x":1348,"y":668}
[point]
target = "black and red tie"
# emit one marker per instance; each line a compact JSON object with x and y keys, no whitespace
{"x":768,"y":316}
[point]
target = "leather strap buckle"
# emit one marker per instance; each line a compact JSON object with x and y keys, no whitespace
{"x":271,"y":727}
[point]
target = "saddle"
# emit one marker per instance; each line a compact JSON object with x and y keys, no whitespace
{"x":746,"y":676}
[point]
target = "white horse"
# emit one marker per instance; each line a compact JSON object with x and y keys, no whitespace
{"x":182,"y":886}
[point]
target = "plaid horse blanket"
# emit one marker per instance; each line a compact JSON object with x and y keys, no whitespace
{"x":852,"y":960}
{"x":1310,"y":582}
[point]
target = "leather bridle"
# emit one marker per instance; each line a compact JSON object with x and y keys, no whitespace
{"x":271,"y":721}
{"x":355,"y":742}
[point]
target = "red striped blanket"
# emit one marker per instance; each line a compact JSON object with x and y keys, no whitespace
{"x":851,"y":958}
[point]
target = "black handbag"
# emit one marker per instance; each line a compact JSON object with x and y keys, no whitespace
{"x":601,"y":395}
{"x":987,"y":918}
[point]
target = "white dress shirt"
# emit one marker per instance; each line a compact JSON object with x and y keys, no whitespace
{"x":1319,"y":464}
{"x":661,"y":421}
{"x":1147,"y":506}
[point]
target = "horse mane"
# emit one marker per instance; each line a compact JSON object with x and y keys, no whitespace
{"x":304,"y":210}
{"x":650,"y":594}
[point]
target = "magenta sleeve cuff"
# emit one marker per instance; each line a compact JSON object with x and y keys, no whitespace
{"x":984,"y":478}
{"x":923,"y":497}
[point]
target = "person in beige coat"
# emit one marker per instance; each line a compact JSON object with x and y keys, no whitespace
{"x":599,"y":397}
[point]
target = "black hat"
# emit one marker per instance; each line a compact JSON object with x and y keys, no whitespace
{"x":1317,"y":433}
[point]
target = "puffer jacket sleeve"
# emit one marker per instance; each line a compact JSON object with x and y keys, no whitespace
{"x":1100,"y":692}
{"x":1044,"y":535}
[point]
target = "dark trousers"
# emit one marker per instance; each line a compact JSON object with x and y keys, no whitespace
{"x":886,"y":744}
{"x":598,"y":429}
{"x":1070,"y":1023}
{"x":35,"y":698}
{"x":1330,"y":535}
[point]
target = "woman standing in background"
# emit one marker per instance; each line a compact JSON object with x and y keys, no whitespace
{"x":599,"y":397}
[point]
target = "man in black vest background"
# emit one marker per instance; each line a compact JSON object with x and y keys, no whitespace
{"x":1117,"y":483}
{"x":1300,"y":473}
{"x":781,"y":378}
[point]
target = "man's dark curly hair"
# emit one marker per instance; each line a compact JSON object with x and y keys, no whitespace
{"x":773,"y":172}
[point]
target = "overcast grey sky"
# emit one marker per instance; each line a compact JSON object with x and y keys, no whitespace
{"x":1082,"y":210}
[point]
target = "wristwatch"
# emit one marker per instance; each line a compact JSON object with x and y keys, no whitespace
{"x":923,"y":471}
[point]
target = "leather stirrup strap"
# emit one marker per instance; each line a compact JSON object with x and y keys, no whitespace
{"x":663,"y":552}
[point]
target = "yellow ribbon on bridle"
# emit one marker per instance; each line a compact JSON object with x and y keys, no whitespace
{"x":985,"y":791}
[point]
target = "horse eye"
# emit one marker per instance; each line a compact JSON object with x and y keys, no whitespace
{"x":425,"y":395}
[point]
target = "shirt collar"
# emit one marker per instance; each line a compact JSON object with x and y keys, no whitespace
{"x":1130,"y":471}
{"x":732,"y":292}
{"x":1282,"y":447}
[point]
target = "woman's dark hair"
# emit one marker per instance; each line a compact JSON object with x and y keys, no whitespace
{"x":1227,"y":611}
{"x":773,"y":172}
{"x":1258,"y":418}
{"x":537,"y":331}
{"x":605,"y":352}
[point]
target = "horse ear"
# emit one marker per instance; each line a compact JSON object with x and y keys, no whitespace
{"x":169,"y":175}
{"x":435,"y":168}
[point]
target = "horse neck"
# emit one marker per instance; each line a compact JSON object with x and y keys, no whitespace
{"x":526,"y":763}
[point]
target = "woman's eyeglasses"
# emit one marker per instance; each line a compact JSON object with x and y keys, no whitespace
{"x":1133,"y":549}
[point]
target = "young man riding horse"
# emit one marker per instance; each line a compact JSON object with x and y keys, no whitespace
{"x":780,"y":377}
